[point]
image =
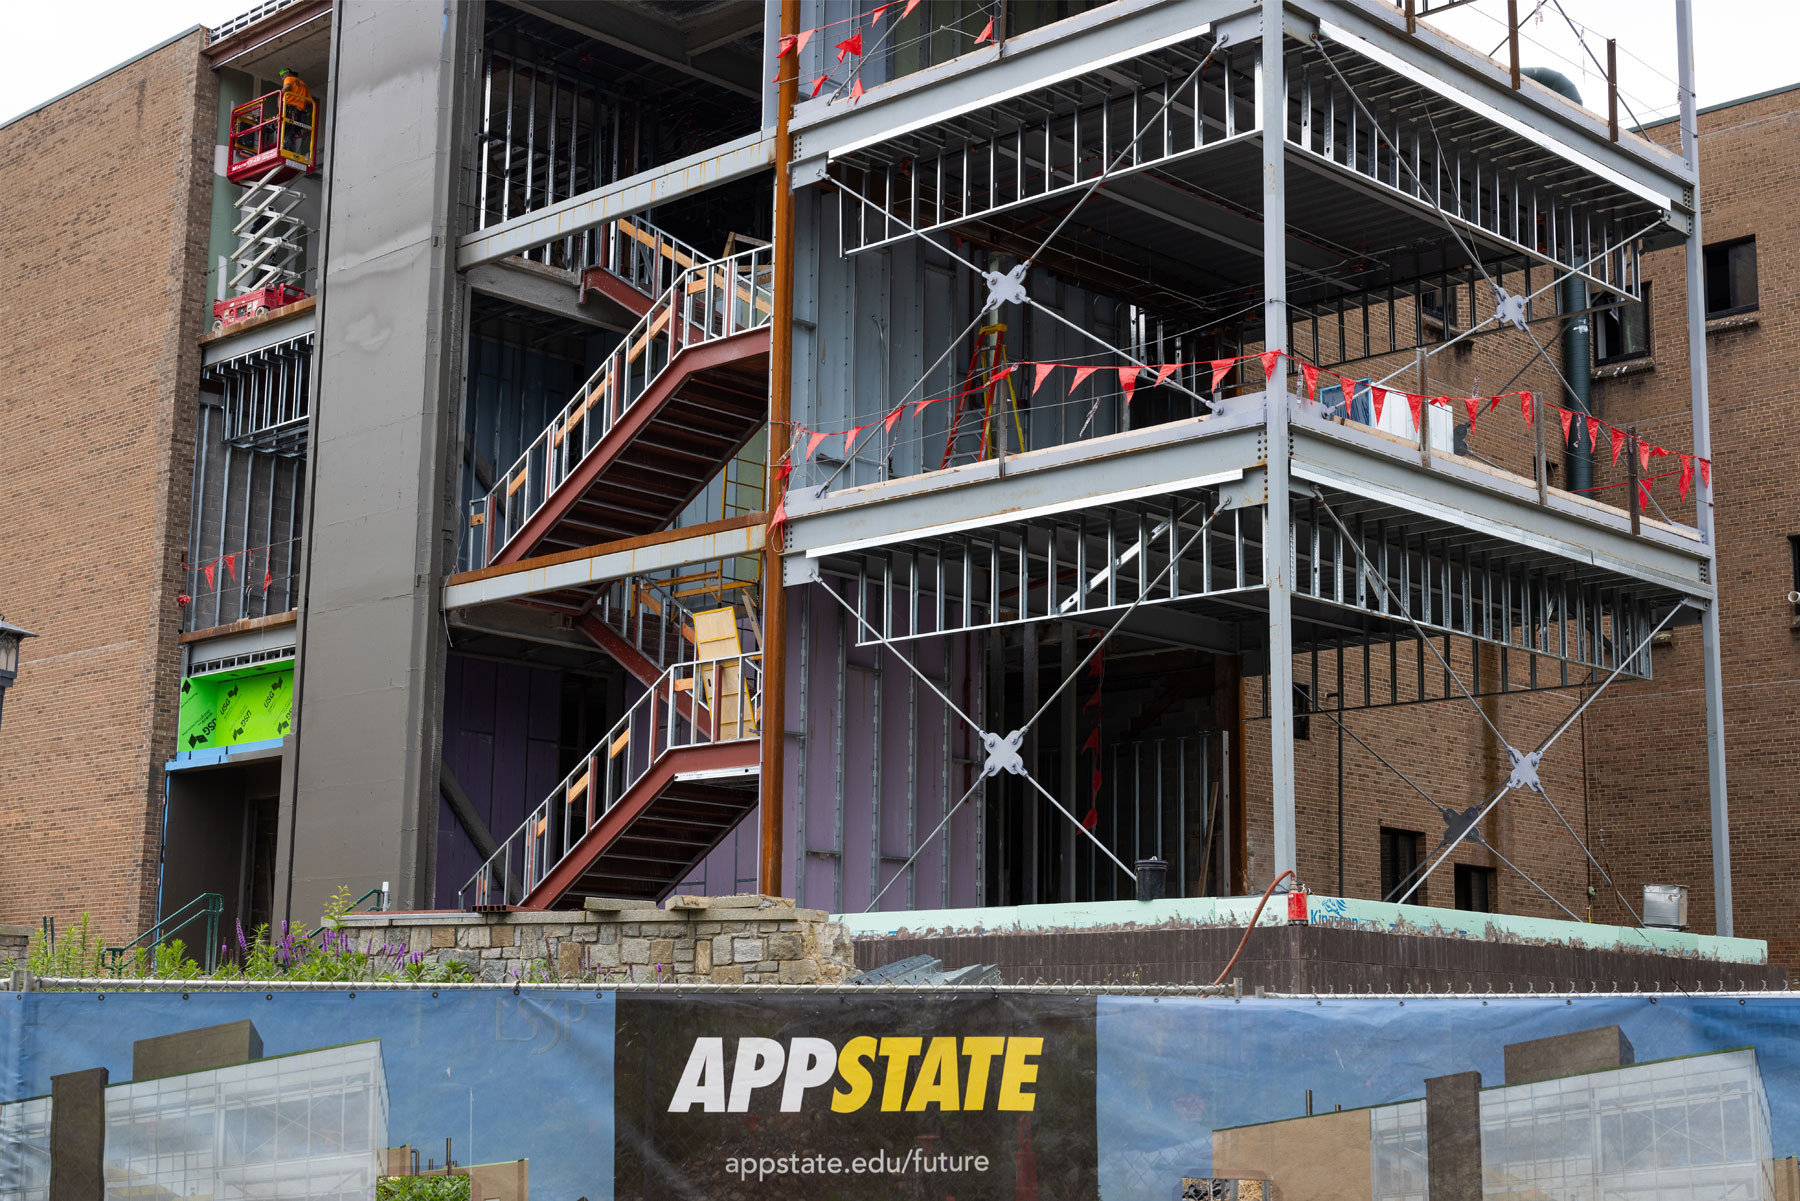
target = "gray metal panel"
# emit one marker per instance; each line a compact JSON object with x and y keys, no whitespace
{"x":364,"y":793}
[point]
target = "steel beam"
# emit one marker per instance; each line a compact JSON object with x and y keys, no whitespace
{"x":548,"y":290}
{"x":1077,"y":45}
{"x":721,"y":164}
{"x":1160,"y":459}
{"x":1271,"y":104}
{"x":1498,"y":505}
{"x":606,"y":562}
{"x":1478,"y":84}
{"x":1713,"y":670}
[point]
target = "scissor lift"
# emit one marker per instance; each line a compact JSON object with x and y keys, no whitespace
{"x":271,"y":144}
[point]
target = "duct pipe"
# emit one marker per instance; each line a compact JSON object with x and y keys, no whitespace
{"x":1572,"y":293}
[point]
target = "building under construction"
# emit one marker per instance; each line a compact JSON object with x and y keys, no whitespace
{"x":904,"y":456}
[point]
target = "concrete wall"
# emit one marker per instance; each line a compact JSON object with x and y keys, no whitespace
{"x":362,"y":802}
{"x":104,"y":197}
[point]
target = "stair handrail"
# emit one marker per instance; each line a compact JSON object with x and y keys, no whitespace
{"x":711,"y":301}
{"x":208,"y":905}
{"x":626,"y":617}
{"x":614,"y":246}
{"x":687,"y":707}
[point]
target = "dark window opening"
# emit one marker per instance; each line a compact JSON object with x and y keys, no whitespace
{"x":1794,"y":545}
{"x":1303,"y":704}
{"x":1730,"y":278}
{"x":1402,"y":859}
{"x":1439,"y":306}
{"x":1475,"y":888}
{"x":1622,"y":332}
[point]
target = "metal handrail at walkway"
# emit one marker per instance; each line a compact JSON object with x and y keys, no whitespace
{"x":700,"y":703}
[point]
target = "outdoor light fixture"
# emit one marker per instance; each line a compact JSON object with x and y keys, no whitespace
{"x":10,"y":637}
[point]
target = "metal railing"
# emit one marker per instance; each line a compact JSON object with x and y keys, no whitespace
{"x":207,"y":906}
{"x":705,"y":303}
{"x":639,"y":253}
{"x":697,"y":703}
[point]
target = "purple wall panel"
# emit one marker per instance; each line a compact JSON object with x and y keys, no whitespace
{"x":839,"y":871}
{"x":501,"y":723}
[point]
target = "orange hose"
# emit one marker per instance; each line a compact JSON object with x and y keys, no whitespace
{"x":1244,"y":941}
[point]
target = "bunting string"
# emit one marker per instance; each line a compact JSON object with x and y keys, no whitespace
{"x":807,"y":442}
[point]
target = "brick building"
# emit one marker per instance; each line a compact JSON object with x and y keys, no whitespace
{"x":454,"y":577}
{"x":103,"y":209}
{"x":1643,"y":777}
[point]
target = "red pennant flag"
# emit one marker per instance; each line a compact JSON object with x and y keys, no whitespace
{"x":1593,"y":434}
{"x":850,"y":45}
{"x":817,"y":84}
{"x":1568,"y":419}
{"x":1473,"y":405}
{"x":1442,"y":402}
{"x":231,"y":566}
{"x":856,"y":89}
{"x":787,"y":46}
{"x":1220,"y":367}
{"x":1310,"y":374}
{"x":907,"y":11}
{"x":208,"y":569}
{"x":1687,"y":476}
{"x":1525,"y":407}
{"x":1081,"y":373}
{"x":1090,"y":819}
{"x":1039,"y":373}
{"x":1002,"y":373}
{"x":889,"y":420}
{"x":1657,"y":451}
{"x":1643,"y":495}
{"x":987,"y":32}
{"x":1618,"y":442}
{"x":778,"y":518}
{"x":1270,"y":360}
{"x":1705,"y":471}
{"x":876,"y":15}
{"x":783,"y":470}
{"x":1093,"y":741}
{"x":1379,"y":397}
{"x":268,"y":578}
{"x":1493,"y":403}
{"x":1163,"y":373}
{"x":1416,"y":403}
{"x":812,"y":445}
{"x":1643,"y":456}
{"x":850,"y":436}
{"x":919,"y":406}
{"x":1128,"y":381}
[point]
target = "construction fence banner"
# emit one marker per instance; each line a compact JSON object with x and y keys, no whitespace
{"x":562,"y":1094}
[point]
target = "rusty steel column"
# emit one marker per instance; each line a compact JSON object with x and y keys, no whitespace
{"x":781,"y":373}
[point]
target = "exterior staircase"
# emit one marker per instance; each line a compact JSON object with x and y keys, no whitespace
{"x":683,"y":392}
{"x":668,"y":782}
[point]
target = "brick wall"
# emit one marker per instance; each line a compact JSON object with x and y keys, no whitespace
{"x":104,"y":197}
{"x":1647,"y":741}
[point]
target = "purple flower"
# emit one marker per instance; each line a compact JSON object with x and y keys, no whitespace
{"x":243,"y":944}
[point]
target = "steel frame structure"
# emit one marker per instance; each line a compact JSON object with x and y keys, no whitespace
{"x":1383,"y":550}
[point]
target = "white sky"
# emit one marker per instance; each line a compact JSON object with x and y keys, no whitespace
{"x":1742,"y":46}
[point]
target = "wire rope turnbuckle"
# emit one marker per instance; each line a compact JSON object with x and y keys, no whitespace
{"x":1525,"y":770}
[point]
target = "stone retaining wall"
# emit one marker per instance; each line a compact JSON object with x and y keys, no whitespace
{"x":13,"y":940}
{"x":747,"y":939}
